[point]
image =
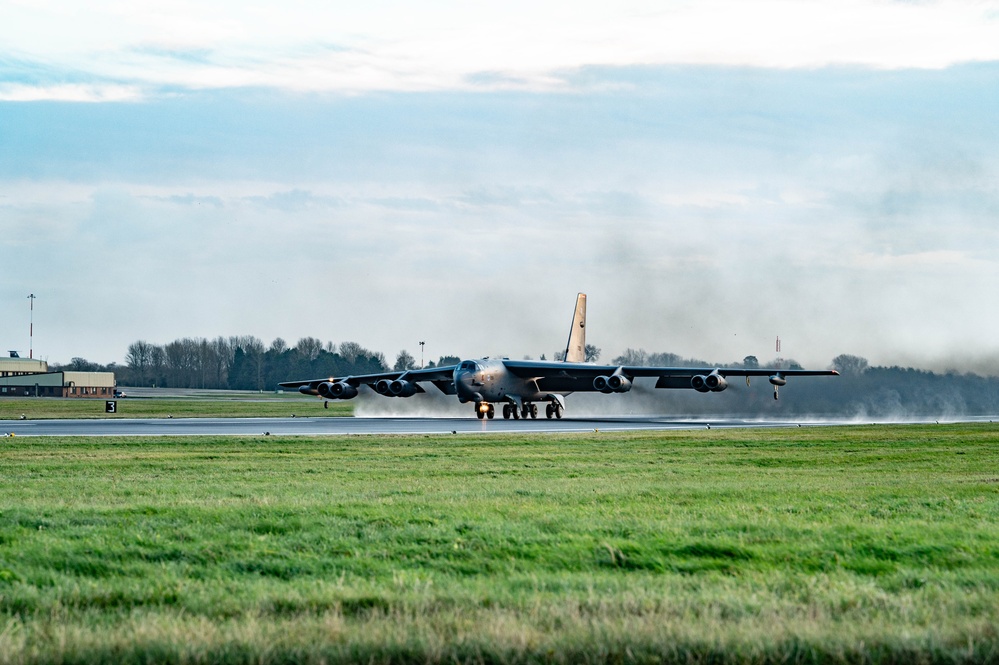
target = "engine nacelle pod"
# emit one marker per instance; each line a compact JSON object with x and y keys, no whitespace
{"x":382,"y":387}
{"x":699,"y":383}
{"x":715,"y":382}
{"x":619,"y":383}
{"x":308,"y":390}
{"x":778,"y":380}
{"x":324,"y":389}
{"x":400,"y":388}
{"x":600,"y":383}
{"x":343,"y":390}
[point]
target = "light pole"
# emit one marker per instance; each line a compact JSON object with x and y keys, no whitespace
{"x":421,"y":354}
{"x":31,"y":329}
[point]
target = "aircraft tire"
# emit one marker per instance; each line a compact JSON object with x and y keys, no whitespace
{"x":506,"y":412}
{"x":558,"y":412}
{"x":549,"y":411}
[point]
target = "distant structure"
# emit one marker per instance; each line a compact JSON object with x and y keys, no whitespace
{"x":27,"y":377}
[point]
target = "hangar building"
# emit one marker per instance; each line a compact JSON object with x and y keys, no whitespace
{"x":24,"y":377}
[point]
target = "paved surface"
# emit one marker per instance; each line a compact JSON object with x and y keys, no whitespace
{"x":343,"y":426}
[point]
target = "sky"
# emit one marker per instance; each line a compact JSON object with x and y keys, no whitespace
{"x":712,"y":174}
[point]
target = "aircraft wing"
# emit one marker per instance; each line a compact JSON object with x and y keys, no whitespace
{"x":580,"y":377}
{"x":407,"y":382}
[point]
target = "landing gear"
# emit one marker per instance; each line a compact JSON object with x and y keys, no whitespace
{"x":553,"y":409}
{"x":511,"y":410}
{"x":483,"y":410}
{"x":326,"y":405}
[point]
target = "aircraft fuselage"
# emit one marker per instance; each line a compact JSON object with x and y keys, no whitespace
{"x":489,"y":380}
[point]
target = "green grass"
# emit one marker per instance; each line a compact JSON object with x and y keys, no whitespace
{"x":200,"y":406}
{"x":853,"y":544}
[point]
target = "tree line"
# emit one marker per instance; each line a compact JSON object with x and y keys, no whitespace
{"x":862,"y":391}
{"x":243,"y":363}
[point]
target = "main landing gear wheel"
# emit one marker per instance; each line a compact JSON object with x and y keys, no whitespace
{"x":530,"y":410}
{"x":506,"y":411}
{"x":491,"y":413}
{"x":553,"y":409}
{"x":478,"y":411}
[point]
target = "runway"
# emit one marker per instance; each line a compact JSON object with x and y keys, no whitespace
{"x":349,"y":426}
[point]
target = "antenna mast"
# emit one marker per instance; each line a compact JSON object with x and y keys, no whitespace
{"x":31,"y":329}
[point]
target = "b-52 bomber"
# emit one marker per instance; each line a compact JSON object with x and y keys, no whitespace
{"x":520,"y":385}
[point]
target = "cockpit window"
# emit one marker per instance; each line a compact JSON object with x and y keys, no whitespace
{"x":468,"y":365}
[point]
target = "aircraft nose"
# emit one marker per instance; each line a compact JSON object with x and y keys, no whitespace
{"x":463,"y":382}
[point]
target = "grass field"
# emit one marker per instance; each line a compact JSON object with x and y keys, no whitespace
{"x":207,"y":405}
{"x":855,"y":544}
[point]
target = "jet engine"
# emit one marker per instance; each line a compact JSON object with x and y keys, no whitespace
{"x":401,"y":388}
{"x":713,"y":382}
{"x":308,"y":390}
{"x":698,"y":383}
{"x":382,"y":387}
{"x":615,"y":383}
{"x":336,"y":390}
{"x":619,"y":383}
{"x":343,"y":390}
{"x":778,"y":380}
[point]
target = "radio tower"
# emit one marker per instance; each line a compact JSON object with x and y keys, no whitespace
{"x":31,"y":329}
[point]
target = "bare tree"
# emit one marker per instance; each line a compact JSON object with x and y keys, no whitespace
{"x":632,"y":357}
{"x":592,"y":353}
{"x":222,"y":355}
{"x":139,"y":359}
{"x":849,"y":365}
{"x":349,"y":351}
{"x":309,"y":347}
{"x":404,"y":361}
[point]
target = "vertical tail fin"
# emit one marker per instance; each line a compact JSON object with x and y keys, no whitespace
{"x":575,"y":350}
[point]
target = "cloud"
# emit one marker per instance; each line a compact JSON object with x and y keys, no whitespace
{"x":191,"y":200}
{"x":294,"y":200}
{"x":704,"y":209}
{"x":332,"y":47}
